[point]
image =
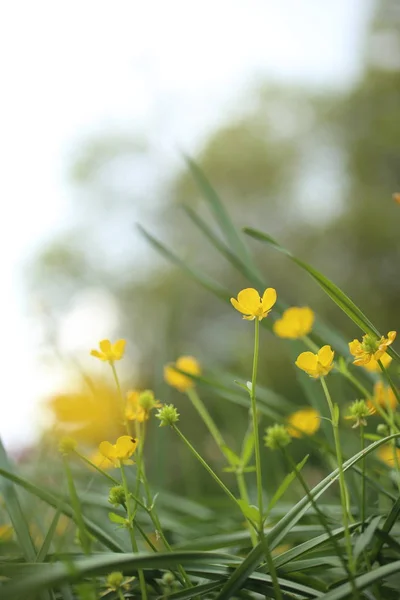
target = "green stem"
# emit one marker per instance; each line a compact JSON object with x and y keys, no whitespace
{"x":121,"y":399}
{"x":83,"y":534}
{"x":363,"y":500}
{"x":98,"y":469}
{"x":255,"y":423}
{"x":120,"y":595}
{"x":207,"y":419}
{"x":342,"y":482}
{"x":245,"y":497}
{"x":142,"y":581}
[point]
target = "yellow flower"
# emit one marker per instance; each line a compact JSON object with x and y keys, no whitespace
{"x":387,"y":454}
{"x":396,"y":197}
{"x":316,"y":365}
{"x":176,"y":379}
{"x":109,"y":351}
{"x":370,"y":348}
{"x":99,"y":460}
{"x":373,"y":366}
{"x":295,"y":323}
{"x":252,"y":306}
{"x":121,"y":451}
{"x":303,"y":422}
{"x":133,"y":410}
{"x":383,"y":396}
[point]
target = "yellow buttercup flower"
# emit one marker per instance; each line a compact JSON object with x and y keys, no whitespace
{"x":108,"y":351}
{"x":383,"y":396}
{"x":370,"y":348}
{"x":121,"y":451}
{"x":387,"y":454}
{"x":176,"y":379}
{"x":373,"y":365}
{"x":303,"y":422}
{"x":316,"y":365}
{"x":295,"y":323}
{"x":252,"y":306}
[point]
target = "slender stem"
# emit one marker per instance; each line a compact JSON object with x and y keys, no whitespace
{"x":342,"y":482}
{"x":99,"y":469}
{"x":142,"y":581}
{"x":121,"y":400}
{"x":255,"y":422}
{"x":363,"y":500}
{"x":245,"y":497}
{"x":206,"y":466}
{"x":83,"y":534}
{"x":120,"y":595}
{"x":206,"y":417}
{"x":321,"y":516}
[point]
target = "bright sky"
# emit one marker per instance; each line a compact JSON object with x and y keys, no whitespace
{"x":71,"y":68}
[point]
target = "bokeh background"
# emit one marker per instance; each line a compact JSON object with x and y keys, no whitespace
{"x":291,"y":108}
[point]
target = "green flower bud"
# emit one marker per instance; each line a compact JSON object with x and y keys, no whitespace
{"x":147,"y":401}
{"x":115,"y":580}
{"x":382,"y":430}
{"x":358,"y":412}
{"x":276,"y":437}
{"x":168,"y":578}
{"x":167,"y":415}
{"x":116,"y":495}
{"x":67,"y":445}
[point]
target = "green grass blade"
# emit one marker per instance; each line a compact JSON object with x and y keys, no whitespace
{"x":331,"y":289}
{"x":389,"y":522}
{"x":279,"y":531}
{"x":14,"y":509}
{"x":194,"y":274}
{"x":198,"y":590}
{"x":363,"y":581}
{"x":232,"y":235}
{"x":49,"y":537}
{"x":290,"y":477}
{"x":57,"y":502}
{"x":31,"y":579}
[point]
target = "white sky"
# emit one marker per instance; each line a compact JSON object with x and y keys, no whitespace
{"x":69,"y":68}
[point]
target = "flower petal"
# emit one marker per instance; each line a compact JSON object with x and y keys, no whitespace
{"x":105,"y":346}
{"x":238,"y":307}
{"x":118,"y":349}
{"x":268,"y":299}
{"x":125,"y":446}
{"x":325,"y":356}
{"x":107,"y":450}
{"x":98,"y":354}
{"x":355,"y":347}
{"x":249,"y":299}
{"x":307,"y":361}
{"x":306,"y":317}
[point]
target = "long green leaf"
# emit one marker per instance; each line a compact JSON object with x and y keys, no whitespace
{"x":332,"y":290}
{"x":44,"y":549}
{"x":363,"y":581}
{"x":389,"y":522}
{"x":285,"y":484}
{"x":279,"y":531}
{"x":194,"y":274}
{"x":31,"y":579}
{"x":14,"y":509}
{"x":66,"y":509}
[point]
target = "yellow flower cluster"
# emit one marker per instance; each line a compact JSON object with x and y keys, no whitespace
{"x":370,"y":348}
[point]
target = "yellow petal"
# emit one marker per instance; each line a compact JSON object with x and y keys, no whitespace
{"x":238,"y":307}
{"x":306,"y":316}
{"x":107,"y":450}
{"x":98,"y":354}
{"x":118,"y":349}
{"x":188,"y":364}
{"x":105,"y":346}
{"x":249,"y":299}
{"x":373,"y":366}
{"x":268,"y":299}
{"x":355,"y":347}
{"x":325,"y":356}
{"x":392,"y":336}
{"x":284,"y":328}
{"x":307,"y":361}
{"x":125,"y":446}
{"x":305,"y":421}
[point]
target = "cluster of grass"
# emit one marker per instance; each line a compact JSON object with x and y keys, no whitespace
{"x":87,"y":529}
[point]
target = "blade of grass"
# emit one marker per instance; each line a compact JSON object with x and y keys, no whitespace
{"x":14,"y":509}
